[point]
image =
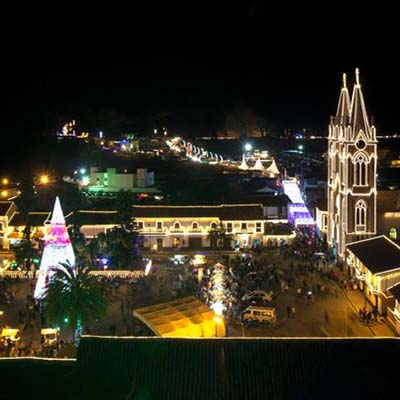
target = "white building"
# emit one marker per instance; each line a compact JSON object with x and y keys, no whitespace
{"x":112,"y":181}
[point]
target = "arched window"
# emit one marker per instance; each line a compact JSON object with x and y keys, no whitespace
{"x":361,"y":215}
{"x":177,"y":225}
{"x":195,"y":226}
{"x":360,"y":169}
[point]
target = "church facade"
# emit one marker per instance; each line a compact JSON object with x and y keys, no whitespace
{"x":352,"y":164}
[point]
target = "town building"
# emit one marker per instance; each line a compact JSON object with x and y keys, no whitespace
{"x":374,"y":264}
{"x":111,"y":181}
{"x":37,"y":221}
{"x":393,"y":313}
{"x":189,"y":227}
{"x":352,"y":163}
{"x":7,"y":211}
{"x":262,"y":221}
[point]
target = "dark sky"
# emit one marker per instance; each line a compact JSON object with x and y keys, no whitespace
{"x":287,"y":68}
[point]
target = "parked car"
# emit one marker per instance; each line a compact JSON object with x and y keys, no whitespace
{"x":257,"y":294}
{"x":259,"y":314}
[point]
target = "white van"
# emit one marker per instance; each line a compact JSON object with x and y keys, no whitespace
{"x":259,"y":314}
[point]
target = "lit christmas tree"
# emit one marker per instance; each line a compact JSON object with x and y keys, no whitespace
{"x":58,"y":249}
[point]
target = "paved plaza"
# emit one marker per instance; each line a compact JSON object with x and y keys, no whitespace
{"x":333,"y":311}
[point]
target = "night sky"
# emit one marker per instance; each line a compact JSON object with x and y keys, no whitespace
{"x":189,"y":76}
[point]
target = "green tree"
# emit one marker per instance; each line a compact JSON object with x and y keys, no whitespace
{"x":218,"y":237}
{"x":124,"y":209}
{"x":74,"y":298}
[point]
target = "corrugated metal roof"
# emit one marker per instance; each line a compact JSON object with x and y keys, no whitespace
{"x":186,"y":317}
{"x":162,"y":368}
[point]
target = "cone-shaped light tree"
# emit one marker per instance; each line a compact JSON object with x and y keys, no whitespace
{"x":58,"y":250}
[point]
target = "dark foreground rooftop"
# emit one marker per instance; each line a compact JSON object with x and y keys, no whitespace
{"x":159,"y":368}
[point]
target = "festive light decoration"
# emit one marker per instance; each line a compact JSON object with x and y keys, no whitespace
{"x":148,"y":267}
{"x":298,"y":213}
{"x":57,"y":250}
{"x":352,"y":163}
{"x":219,"y":293}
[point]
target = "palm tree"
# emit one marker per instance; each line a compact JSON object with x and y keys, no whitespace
{"x":74,"y":298}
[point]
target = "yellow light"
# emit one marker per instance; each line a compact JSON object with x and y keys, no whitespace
{"x":4,"y":193}
{"x":44,"y":179}
{"x":4,"y":181}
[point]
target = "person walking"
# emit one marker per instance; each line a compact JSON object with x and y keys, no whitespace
{"x":375,"y":313}
{"x":293,"y":312}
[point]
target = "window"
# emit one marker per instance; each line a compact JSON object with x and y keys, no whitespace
{"x":195,"y":226}
{"x":393,"y":233}
{"x":229,"y":227}
{"x":244,"y":226}
{"x":213,"y":225}
{"x":361,"y":215}
{"x":258,"y":227}
{"x":360,"y":170}
{"x":177,"y":225}
{"x":159,"y":225}
{"x":324,"y":221}
{"x":140,"y":225}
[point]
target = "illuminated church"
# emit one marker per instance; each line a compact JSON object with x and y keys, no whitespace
{"x":352,"y":163}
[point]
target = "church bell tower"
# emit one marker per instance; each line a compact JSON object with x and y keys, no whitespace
{"x":352,"y":163}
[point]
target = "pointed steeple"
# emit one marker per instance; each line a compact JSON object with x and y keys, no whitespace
{"x":343,"y":109}
{"x":57,"y":217}
{"x":359,"y":116}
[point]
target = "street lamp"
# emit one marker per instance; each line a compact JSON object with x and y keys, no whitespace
{"x":248,"y":147}
{"x":301,"y":147}
{"x":5,"y":181}
{"x":44,"y":179}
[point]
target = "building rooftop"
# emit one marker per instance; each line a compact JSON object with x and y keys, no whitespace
{"x":185,"y":317}
{"x":378,"y":254}
{"x":33,"y":218}
{"x":395,"y":291}
{"x":167,"y":368}
{"x":223,"y":212}
{"x":4,"y":207}
{"x":222,"y":368}
{"x":280,"y":200}
{"x":322,"y":204}
{"x":88,"y":217}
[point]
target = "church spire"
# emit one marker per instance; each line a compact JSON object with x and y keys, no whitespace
{"x":359,"y":116}
{"x":343,"y":109}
